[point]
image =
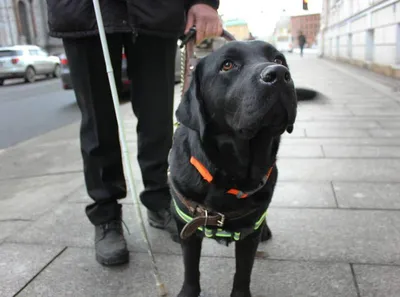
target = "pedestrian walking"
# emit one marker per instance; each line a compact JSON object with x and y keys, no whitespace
{"x":302,"y":42}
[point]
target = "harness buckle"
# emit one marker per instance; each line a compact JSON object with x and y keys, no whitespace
{"x":206,"y":215}
{"x":221,"y":222}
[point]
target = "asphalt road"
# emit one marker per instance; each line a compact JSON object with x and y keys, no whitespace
{"x":29,"y":110}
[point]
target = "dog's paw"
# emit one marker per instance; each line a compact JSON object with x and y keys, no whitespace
{"x":266,"y":234}
{"x":241,"y":294}
{"x":189,"y":291}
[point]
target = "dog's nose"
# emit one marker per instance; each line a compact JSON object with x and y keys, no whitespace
{"x":274,"y":74}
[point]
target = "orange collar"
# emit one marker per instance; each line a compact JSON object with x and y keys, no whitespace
{"x":239,"y":194}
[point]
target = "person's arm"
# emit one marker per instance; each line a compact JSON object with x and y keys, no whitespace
{"x":204,"y":15}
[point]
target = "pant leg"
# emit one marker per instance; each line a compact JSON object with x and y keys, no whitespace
{"x":100,"y":146}
{"x":151,"y":62}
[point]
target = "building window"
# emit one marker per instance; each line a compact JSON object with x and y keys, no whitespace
{"x":24,"y":22}
{"x":338,"y":46}
{"x":349,"y":45}
{"x":369,"y":46}
{"x":398,"y":44}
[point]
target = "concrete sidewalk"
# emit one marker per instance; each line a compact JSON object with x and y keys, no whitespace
{"x":335,"y":215}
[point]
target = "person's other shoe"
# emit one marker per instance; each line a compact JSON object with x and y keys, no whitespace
{"x":164,"y":220}
{"x":110,"y":244}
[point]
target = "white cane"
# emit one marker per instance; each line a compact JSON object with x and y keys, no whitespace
{"x":125,"y":152}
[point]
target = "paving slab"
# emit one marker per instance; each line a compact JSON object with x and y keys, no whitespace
{"x":378,"y":281}
{"x":368,"y":195}
{"x":76,"y":273}
{"x":303,"y":194}
{"x":85,"y":278}
{"x":376,"y":112}
{"x":382,"y":104}
{"x":29,"y":198}
{"x":363,"y":170}
{"x":300,"y":151}
{"x":338,"y":132}
{"x":342,"y":141}
{"x":389,"y":124}
{"x":350,"y":236}
{"x":34,"y":160}
{"x":11,"y":227}
{"x":362,"y":124}
{"x":20,"y":263}
{"x":385,"y":132}
{"x":340,"y":151}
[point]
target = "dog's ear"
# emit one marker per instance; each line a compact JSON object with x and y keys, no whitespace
{"x":190,"y":112}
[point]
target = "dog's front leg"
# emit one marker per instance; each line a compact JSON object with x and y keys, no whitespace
{"x":191,"y":249}
{"x":245,"y":253}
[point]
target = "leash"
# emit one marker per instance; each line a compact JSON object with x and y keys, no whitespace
{"x":189,"y":58}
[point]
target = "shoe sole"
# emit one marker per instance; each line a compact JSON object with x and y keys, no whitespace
{"x":121,"y":259}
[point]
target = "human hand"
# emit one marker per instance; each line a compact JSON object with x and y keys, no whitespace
{"x":207,"y":22}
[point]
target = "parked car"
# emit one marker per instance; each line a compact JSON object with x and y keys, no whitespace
{"x":27,"y":61}
{"x":66,"y":78}
{"x":284,"y":43}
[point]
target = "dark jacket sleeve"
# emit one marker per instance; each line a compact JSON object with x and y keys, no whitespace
{"x":213,"y":3}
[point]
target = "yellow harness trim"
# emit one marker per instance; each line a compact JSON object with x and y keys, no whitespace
{"x":220,"y":232}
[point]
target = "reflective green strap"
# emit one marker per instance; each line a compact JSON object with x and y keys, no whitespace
{"x":219,"y":232}
{"x":260,"y":221}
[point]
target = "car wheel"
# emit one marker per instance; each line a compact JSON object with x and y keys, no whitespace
{"x":57,"y":71}
{"x":1,"y":82}
{"x":30,"y":75}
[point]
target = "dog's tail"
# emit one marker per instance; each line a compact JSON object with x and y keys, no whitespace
{"x":305,"y":94}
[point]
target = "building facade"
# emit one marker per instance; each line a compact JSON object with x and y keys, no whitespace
{"x":362,"y":32}
{"x":25,"y":22}
{"x":238,"y":28}
{"x":308,"y":24}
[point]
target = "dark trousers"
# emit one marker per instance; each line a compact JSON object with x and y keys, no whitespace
{"x":301,"y":50}
{"x":151,"y":65}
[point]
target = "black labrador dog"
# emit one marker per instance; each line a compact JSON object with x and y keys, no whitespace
{"x":223,"y":161}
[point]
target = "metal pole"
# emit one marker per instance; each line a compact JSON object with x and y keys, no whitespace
{"x":127,"y":163}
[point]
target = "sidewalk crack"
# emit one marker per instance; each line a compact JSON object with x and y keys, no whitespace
{"x":355,"y":280}
{"x":40,"y":271}
{"x":334,"y":194}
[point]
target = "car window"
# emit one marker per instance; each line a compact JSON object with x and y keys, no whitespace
{"x":43,"y":53}
{"x":10,"y":53}
{"x":33,"y":52}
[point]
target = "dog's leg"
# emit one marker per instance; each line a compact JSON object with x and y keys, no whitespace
{"x":245,"y":254}
{"x":191,"y":249}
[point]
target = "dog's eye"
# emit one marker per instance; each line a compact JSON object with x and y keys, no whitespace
{"x":278,"y":61}
{"x":227,"y":65}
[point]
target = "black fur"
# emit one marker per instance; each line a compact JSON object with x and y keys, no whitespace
{"x":231,"y":121}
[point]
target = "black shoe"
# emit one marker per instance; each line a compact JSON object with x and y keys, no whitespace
{"x":110,"y":244}
{"x":164,"y":220}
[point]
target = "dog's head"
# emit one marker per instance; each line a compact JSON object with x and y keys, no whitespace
{"x":239,"y":89}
